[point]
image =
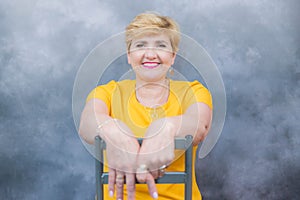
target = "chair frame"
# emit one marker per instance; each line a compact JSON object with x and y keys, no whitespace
{"x":168,"y":178}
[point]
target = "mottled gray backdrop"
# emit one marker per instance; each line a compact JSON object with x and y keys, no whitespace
{"x":255,"y":45}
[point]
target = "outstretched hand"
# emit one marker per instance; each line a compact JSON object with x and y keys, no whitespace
{"x":157,"y":150}
{"x":158,"y":145}
{"x":122,"y":149}
{"x":128,"y":160}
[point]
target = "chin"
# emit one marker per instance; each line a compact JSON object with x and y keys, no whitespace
{"x":151,"y":75}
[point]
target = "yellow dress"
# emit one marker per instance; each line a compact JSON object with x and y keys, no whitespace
{"x":122,"y":104}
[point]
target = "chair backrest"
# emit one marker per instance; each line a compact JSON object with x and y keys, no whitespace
{"x":169,"y":177}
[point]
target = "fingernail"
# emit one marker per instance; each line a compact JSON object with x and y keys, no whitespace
{"x":155,"y":195}
{"x":111,"y":193}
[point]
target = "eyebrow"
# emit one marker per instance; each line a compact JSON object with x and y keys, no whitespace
{"x":139,"y":41}
{"x":145,"y":42}
{"x":161,"y":41}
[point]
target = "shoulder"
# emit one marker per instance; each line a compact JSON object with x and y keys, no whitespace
{"x":126,"y":83}
{"x":105,"y":91}
{"x":180,"y":85}
{"x":116,"y":84}
{"x":191,"y":91}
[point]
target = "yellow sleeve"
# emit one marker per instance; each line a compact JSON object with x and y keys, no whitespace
{"x":201,"y":94}
{"x":103,"y":92}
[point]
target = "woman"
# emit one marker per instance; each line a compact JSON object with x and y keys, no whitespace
{"x":150,"y":107}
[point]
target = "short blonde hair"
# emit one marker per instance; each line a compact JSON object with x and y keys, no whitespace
{"x":146,"y":23}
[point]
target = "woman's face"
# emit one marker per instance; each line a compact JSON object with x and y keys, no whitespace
{"x":151,"y":56}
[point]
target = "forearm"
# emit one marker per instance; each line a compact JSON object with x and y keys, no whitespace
{"x":195,"y":121}
{"x":188,"y":124}
{"x":95,"y":114}
{"x":95,"y":120}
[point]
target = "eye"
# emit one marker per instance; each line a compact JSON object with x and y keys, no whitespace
{"x":140,"y":45}
{"x":162,"y":46}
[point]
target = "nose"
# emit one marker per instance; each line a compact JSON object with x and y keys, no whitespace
{"x":150,"y":53}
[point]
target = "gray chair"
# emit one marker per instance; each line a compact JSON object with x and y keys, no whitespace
{"x":169,"y":177}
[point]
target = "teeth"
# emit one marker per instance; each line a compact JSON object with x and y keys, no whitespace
{"x":150,"y":64}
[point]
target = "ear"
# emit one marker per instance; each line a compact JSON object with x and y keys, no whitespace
{"x":173,"y":58}
{"x":128,"y":57}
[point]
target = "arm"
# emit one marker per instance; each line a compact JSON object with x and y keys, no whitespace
{"x":195,"y":121}
{"x":121,"y":146}
{"x":94,"y":113}
{"x":158,"y":146}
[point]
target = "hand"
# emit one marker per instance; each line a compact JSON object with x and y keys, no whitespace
{"x":158,"y":145}
{"x":121,"y":152}
{"x":145,"y":176}
{"x":157,"y":150}
{"x":116,"y":178}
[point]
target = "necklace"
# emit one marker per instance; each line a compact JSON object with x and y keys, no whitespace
{"x":153,"y":106}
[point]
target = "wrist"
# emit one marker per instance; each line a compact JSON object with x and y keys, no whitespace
{"x":103,"y":124}
{"x":174,"y":124}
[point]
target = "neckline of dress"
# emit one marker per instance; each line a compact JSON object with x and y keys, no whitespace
{"x":157,"y":107}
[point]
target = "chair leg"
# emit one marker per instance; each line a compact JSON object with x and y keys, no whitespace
{"x":99,"y":168}
{"x":188,"y":167}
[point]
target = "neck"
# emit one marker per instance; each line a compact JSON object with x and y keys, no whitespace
{"x":152,"y":94}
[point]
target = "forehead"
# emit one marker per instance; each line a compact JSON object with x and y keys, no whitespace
{"x":152,"y":37}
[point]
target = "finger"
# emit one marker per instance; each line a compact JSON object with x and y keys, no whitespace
{"x":141,"y":177}
{"x":141,"y":173}
{"x":119,"y":185}
{"x":111,"y":181}
{"x":130,"y":184}
{"x":151,"y":186}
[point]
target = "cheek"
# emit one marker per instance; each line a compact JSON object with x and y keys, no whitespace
{"x":169,"y":59}
{"x":135,"y":57}
{"x":132,"y":58}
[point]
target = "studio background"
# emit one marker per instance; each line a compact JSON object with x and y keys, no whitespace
{"x":255,"y":44}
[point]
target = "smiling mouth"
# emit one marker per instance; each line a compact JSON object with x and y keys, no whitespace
{"x":150,"y":65}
